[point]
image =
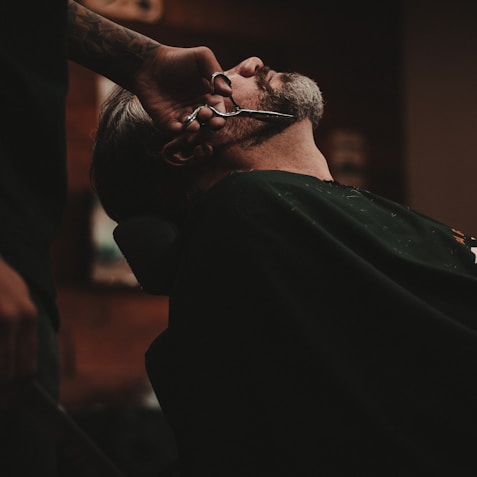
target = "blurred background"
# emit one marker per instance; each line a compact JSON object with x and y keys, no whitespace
{"x":400,"y":83}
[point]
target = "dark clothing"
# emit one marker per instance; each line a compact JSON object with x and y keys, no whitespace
{"x":32,"y":144}
{"x":27,"y":435}
{"x":319,"y":330}
{"x":33,"y":87}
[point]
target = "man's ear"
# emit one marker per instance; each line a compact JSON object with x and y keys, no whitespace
{"x":185,"y":151}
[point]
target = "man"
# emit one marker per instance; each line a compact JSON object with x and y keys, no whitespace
{"x":37,"y":40}
{"x":315,"y":329}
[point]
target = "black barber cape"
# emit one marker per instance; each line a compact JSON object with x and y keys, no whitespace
{"x":319,"y":330}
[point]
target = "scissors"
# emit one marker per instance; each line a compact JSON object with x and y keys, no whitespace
{"x":238,"y":111}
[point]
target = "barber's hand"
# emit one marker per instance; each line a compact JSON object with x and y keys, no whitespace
{"x":18,"y":332}
{"x":173,"y":81}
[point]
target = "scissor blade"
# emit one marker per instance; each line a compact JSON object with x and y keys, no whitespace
{"x":263,"y":115}
{"x":252,"y":113}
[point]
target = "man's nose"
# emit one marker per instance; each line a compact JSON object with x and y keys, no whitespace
{"x":247,"y":67}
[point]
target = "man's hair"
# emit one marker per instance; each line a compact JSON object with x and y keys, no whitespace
{"x":127,"y":171}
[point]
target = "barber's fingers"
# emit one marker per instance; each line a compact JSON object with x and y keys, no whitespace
{"x":18,"y":353}
{"x":210,"y":68}
{"x":205,"y":118}
{"x":18,"y":346}
{"x":173,"y":81}
{"x":27,"y":346}
{"x":202,"y":117}
{"x":18,"y":327}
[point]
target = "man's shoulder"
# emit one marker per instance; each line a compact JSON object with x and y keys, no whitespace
{"x":275,"y":183}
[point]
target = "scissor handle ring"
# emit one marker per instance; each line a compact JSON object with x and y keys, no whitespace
{"x":218,"y":74}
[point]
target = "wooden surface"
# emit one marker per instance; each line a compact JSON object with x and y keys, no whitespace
{"x":103,"y":338}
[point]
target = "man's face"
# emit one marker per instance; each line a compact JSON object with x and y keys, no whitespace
{"x":256,"y":86}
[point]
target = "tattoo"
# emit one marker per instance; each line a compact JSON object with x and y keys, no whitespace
{"x":105,"y":46}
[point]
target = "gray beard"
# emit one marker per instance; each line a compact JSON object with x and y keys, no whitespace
{"x":299,"y":96}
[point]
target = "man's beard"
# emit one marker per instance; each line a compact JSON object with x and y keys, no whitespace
{"x":298,"y":95}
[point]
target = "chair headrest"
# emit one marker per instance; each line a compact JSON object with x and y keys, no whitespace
{"x":149,"y":245}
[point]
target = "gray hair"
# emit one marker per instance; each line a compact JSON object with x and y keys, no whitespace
{"x":127,"y":171}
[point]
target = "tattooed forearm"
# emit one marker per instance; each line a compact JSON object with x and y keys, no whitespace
{"x":104,"y":46}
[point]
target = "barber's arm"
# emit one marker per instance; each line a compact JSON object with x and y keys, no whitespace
{"x":169,"y":81}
